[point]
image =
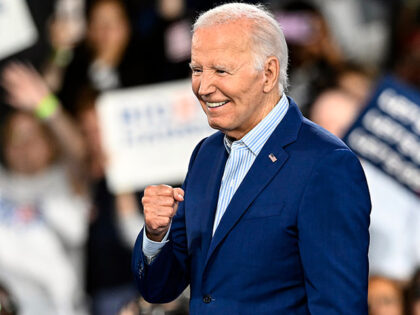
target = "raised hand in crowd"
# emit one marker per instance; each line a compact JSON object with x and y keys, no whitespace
{"x":27,"y":90}
{"x":25,"y":87}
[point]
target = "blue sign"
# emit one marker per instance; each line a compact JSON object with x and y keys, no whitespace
{"x":387,"y":133}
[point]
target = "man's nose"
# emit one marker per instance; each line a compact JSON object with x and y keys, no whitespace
{"x":206,"y":84}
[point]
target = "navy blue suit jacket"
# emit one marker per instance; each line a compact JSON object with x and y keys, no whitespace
{"x":293,"y":240}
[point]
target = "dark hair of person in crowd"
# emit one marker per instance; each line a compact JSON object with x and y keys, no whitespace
{"x":90,"y":6}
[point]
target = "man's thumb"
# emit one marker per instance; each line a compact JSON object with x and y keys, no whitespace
{"x":178,"y":194}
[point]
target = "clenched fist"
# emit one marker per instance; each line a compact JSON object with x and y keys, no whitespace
{"x":160,"y":204}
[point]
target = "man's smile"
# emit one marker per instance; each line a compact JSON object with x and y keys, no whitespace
{"x":216,"y":104}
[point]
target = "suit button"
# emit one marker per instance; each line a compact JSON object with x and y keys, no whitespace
{"x":207,"y":299}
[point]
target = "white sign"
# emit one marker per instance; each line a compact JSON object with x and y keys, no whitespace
{"x":149,"y":133}
{"x":17,"y":30}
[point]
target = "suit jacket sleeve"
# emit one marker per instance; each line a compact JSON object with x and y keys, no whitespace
{"x":166,"y":277}
{"x":333,"y":223}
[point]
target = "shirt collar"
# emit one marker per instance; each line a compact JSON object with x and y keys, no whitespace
{"x":255,"y":139}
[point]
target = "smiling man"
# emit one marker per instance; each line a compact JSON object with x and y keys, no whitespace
{"x":273,"y":215}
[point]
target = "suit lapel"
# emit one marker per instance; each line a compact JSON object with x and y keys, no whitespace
{"x":215,"y":171}
{"x":259,"y":175}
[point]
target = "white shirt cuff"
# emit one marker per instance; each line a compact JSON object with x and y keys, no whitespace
{"x":152,"y":248}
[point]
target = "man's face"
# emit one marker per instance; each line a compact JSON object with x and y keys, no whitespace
{"x":224,"y":78}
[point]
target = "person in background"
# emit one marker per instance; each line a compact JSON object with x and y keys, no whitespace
{"x":385,"y":296}
{"x":66,"y":28}
{"x":36,"y":54}
{"x":161,"y":31}
{"x":315,"y":58}
{"x":106,"y":59}
{"x":43,"y":203}
{"x":115,"y":220}
{"x":337,"y":107}
{"x":334,"y":110}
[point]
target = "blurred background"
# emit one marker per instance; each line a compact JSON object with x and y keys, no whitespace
{"x":66,"y":239}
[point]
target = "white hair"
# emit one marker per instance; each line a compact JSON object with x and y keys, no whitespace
{"x":267,"y":35}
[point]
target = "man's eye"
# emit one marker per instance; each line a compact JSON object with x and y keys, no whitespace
{"x":196,"y":70}
{"x":220,"y":71}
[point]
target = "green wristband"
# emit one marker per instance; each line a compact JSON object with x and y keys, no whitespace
{"x":47,"y":107}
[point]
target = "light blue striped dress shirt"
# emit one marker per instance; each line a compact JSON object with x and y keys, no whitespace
{"x":242,"y":153}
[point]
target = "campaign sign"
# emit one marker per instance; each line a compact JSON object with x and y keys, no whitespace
{"x":149,"y":133}
{"x":387,"y":133}
{"x":17,"y":30}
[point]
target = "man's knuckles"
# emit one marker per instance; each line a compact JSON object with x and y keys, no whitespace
{"x":159,"y":212}
{"x":158,"y":203}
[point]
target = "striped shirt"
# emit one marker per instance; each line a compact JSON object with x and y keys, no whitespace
{"x":242,"y":154}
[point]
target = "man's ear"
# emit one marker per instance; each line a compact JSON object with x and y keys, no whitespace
{"x":271,"y":74}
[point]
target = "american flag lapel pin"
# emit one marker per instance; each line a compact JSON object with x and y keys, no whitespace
{"x":272,"y":157}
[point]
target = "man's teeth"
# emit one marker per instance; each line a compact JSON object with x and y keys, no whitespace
{"x":212,"y":105}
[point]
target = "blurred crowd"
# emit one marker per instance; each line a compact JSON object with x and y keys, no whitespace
{"x":65,"y":239}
